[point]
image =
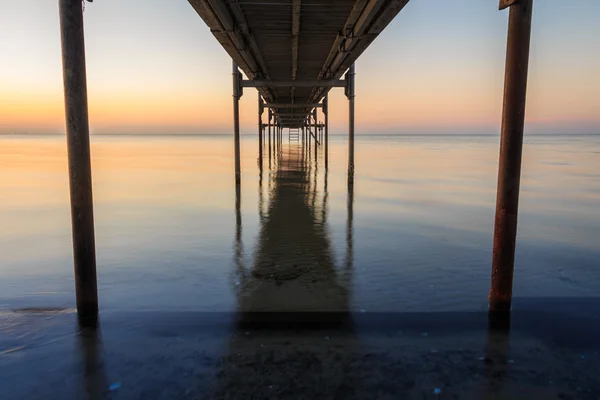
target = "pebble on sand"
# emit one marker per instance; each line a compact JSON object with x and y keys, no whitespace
{"x":114,"y":386}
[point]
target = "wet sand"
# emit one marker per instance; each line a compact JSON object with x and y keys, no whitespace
{"x":215,"y":356}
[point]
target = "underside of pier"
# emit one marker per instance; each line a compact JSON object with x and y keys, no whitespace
{"x":279,"y":42}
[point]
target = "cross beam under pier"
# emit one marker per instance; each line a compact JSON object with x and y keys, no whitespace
{"x":292,"y":83}
{"x":294,"y":105}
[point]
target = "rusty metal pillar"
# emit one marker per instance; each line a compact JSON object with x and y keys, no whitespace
{"x":237,"y":93}
{"x":326,"y":113}
{"x":315,"y":126}
{"x":80,"y":170}
{"x":308,"y":132}
{"x":270,"y":116}
{"x":511,"y":148}
{"x":261,"y":108}
{"x":316,"y":136}
{"x":350,"y":94}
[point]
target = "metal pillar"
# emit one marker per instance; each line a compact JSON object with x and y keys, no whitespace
{"x":270,"y":116}
{"x":350,"y":95}
{"x":511,"y":146}
{"x":315,"y":126}
{"x":236,"y":120}
{"x":326,"y":112}
{"x":260,"y":129}
{"x":80,"y":171}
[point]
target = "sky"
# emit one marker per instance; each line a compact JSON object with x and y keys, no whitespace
{"x":154,"y":67}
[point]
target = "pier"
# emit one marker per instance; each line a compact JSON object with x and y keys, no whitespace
{"x":294,"y":52}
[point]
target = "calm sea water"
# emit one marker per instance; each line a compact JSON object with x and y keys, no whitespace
{"x":413,"y":234}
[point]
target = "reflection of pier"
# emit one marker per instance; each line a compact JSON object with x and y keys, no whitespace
{"x":293,"y":270}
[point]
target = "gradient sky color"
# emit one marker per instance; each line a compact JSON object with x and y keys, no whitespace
{"x":154,"y":67}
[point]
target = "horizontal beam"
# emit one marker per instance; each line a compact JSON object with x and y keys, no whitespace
{"x":507,"y":3}
{"x":294,"y":105}
{"x":303,"y":83}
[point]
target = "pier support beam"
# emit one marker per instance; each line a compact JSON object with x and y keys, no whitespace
{"x":511,"y":148}
{"x":326,"y":113}
{"x":270,"y":116}
{"x":261,"y":108}
{"x":80,"y":171}
{"x":237,"y":93}
{"x":350,"y":94}
{"x":315,"y":126}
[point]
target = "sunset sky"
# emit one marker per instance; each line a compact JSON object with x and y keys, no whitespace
{"x":154,"y":67}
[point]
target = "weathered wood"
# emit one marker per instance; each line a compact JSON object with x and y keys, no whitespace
{"x":80,"y":170}
{"x":511,"y":151}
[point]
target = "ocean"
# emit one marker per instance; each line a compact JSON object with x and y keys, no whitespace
{"x":299,"y":285}
{"x":417,"y":236}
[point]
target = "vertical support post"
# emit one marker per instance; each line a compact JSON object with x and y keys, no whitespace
{"x":270,"y":116}
{"x":261,"y":108}
{"x":80,"y":170}
{"x":511,"y":148}
{"x":315,"y":133}
{"x":350,"y":94}
{"x":315,"y":126}
{"x":236,"y":120}
{"x":326,"y":112}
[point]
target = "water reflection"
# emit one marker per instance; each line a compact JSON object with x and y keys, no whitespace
{"x":294,"y":269}
{"x":94,"y":375}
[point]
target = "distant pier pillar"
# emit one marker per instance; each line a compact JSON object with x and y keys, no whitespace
{"x":350,"y":94}
{"x":237,"y":93}
{"x":326,"y":139}
{"x":261,"y":108}
{"x":270,"y":117}
{"x":80,"y":173}
{"x":315,"y":126}
{"x":315,"y":129}
{"x":511,"y":146}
